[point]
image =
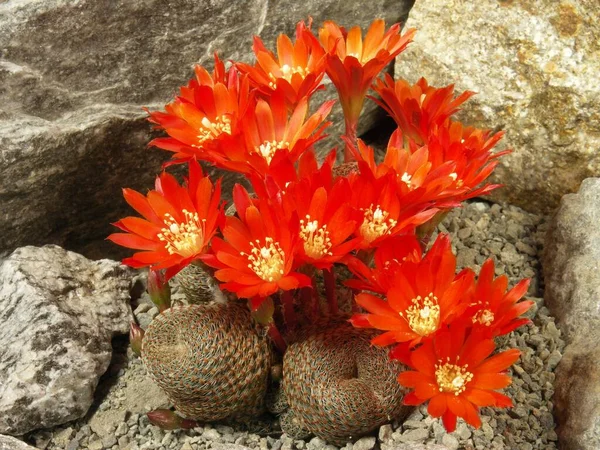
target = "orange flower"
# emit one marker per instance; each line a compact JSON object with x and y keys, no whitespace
{"x":205,"y":113}
{"x":353,"y":64}
{"x":386,"y":211}
{"x":494,"y":311}
{"x":296,"y":72}
{"x":425,"y":296}
{"x":326,"y":218}
{"x":268,"y":134}
{"x":457,"y":376}
{"x":256,"y":256}
{"x":467,"y":153}
{"x":178,"y":225}
{"x":388,"y":260}
{"x":416,"y":108}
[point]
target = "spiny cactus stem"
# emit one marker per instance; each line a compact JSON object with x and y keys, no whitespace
{"x":276,"y":337}
{"x":288,"y":309}
{"x":329,"y":279}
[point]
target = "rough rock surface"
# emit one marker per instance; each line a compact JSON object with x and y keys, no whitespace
{"x":75,"y":76}
{"x":534,"y":65}
{"x":572,"y":276}
{"x":11,"y":443}
{"x":58,"y":314}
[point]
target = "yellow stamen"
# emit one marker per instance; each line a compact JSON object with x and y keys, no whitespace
{"x":316,"y":240}
{"x":266,"y":261}
{"x":484,"y":317}
{"x":406,"y":179}
{"x":268,"y":149}
{"x":211,"y":130}
{"x":376,"y":224}
{"x":451,"y":377}
{"x":186,"y":238}
{"x":423,"y":316}
{"x":286,"y":73}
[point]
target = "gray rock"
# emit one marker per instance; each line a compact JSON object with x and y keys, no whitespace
{"x":366,"y":443}
{"x":572,"y":263}
{"x":74,"y":80}
{"x":577,"y":398}
{"x":413,"y":446}
{"x":58,"y":313}
{"x":535,"y":74}
{"x":11,"y":443}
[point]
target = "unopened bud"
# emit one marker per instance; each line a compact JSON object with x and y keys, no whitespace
{"x":136,"y":334}
{"x":168,"y":420}
{"x":159,"y":289}
{"x":262,"y":310}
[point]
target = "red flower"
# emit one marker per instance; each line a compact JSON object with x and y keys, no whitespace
{"x":206,"y":112}
{"x":326,"y":218}
{"x":269,"y":134}
{"x":179,"y":222}
{"x":353,"y":64}
{"x":386,"y":210}
{"x":256,"y":256}
{"x":425,"y":296}
{"x":467,"y":153}
{"x":494,"y":311}
{"x":388,"y":260}
{"x":296,"y":71}
{"x":416,"y":108}
{"x":457,"y":376}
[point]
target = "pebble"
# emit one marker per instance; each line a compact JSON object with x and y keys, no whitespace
{"x":366,"y":443}
{"x":415,"y":435}
{"x":450,"y":441}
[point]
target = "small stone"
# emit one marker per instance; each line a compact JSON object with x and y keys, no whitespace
{"x":417,"y":435}
{"x":95,"y":445}
{"x":316,"y":443}
{"x":450,"y":441}
{"x":211,"y":435}
{"x":121,"y":429}
{"x":109,"y":441}
{"x":186,"y":446}
{"x":123,"y":441}
{"x":553,"y":359}
{"x":385,"y":433}
{"x":412,"y":424}
{"x":463,"y":432}
{"x":366,"y":443}
{"x":72,"y":445}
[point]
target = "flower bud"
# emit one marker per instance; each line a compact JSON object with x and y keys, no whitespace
{"x":136,"y":334}
{"x":262,"y":310}
{"x":168,"y":420}
{"x":159,"y":289}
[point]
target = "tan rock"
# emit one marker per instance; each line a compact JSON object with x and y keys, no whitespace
{"x":534,"y":65}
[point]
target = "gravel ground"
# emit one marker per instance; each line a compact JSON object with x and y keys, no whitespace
{"x":479,"y":230}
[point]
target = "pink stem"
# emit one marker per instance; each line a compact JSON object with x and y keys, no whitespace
{"x":276,"y":337}
{"x":351,"y":135}
{"x":329,"y":278}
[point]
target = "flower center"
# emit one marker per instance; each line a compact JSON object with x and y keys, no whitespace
{"x":484,"y":317}
{"x":451,"y":377}
{"x":423,"y":316}
{"x":406,"y":179}
{"x":186,"y":238}
{"x":376,"y":224}
{"x":268,"y":149}
{"x":267,"y":261}
{"x":286,"y":73}
{"x":211,"y":130}
{"x":316,"y":240}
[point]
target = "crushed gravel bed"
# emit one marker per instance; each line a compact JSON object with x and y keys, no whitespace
{"x":479,"y":230}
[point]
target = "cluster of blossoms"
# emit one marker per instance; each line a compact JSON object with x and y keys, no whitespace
{"x":303,"y":219}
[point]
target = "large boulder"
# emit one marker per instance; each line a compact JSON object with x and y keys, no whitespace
{"x":58,"y":314}
{"x":75,"y":76}
{"x":534,"y":65}
{"x":572,"y":276}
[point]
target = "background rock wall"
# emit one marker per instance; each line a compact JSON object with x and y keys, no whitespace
{"x":74,"y":76}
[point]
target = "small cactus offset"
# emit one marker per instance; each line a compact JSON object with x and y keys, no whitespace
{"x":337,"y":385}
{"x":397,"y":326}
{"x":209,"y":360}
